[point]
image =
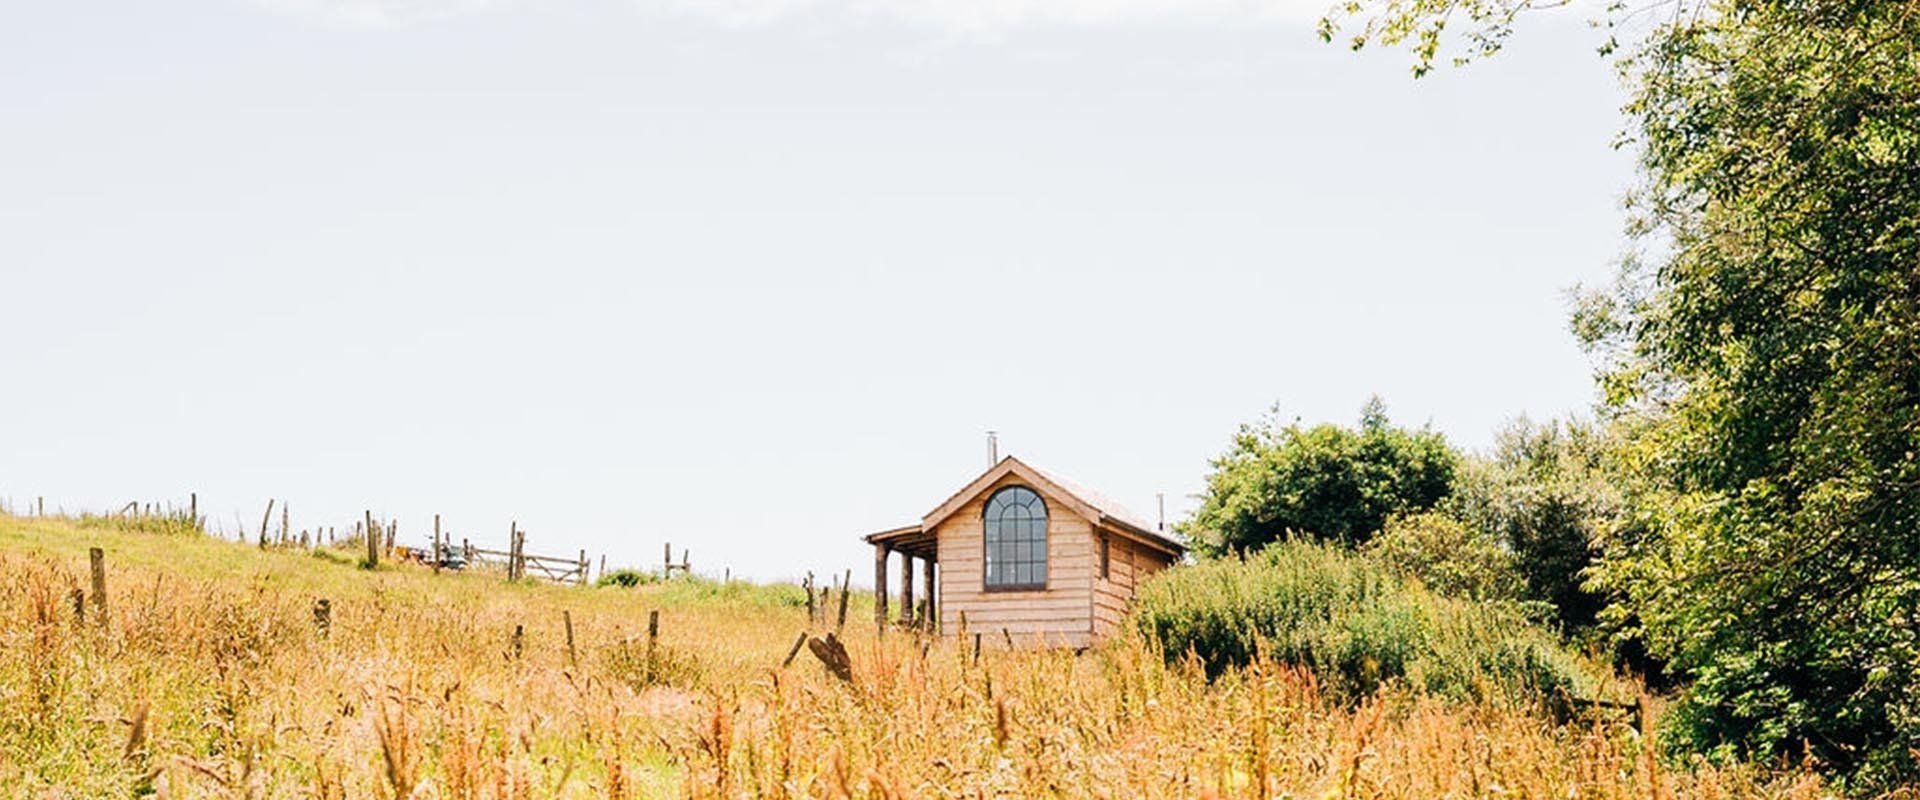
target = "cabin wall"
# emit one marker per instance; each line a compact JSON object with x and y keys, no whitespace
{"x":1058,"y":616}
{"x":1111,"y":594}
{"x":1129,"y":563}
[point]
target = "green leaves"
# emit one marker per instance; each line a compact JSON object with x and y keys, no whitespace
{"x":1760,"y":359}
{"x":1325,"y":481}
{"x":1356,"y":624}
{"x":1776,"y":493}
{"x":1421,"y":26}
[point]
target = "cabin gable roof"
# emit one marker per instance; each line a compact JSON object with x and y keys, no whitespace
{"x":1008,"y":466}
{"x":1096,"y":509}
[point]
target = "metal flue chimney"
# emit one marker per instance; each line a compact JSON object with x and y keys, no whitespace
{"x":993,"y":448}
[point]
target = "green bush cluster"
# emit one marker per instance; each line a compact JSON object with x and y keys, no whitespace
{"x":627,"y":578}
{"x":159,"y":523}
{"x":694,"y":588}
{"x":1356,"y":624}
{"x":1448,"y":556}
{"x":1325,"y":481}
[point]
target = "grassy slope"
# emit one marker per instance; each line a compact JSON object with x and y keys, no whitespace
{"x":213,"y":644}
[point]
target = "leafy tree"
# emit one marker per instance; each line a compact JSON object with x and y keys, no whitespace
{"x":1762,"y":353}
{"x":1545,"y":497}
{"x":1325,"y":481}
{"x":1449,"y":556}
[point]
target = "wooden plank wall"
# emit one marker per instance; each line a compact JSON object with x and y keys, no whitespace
{"x":1110,"y":596}
{"x":1129,"y":563}
{"x":1059,"y":615}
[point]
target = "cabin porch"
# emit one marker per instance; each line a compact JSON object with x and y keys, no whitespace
{"x":915,"y":547}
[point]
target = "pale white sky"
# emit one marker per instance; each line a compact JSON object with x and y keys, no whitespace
{"x":754,"y":276}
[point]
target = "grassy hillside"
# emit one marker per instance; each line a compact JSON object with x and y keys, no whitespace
{"x":209,"y":678}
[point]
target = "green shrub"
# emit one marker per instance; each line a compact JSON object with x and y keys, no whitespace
{"x":697,"y":589}
{"x":1327,"y":481}
{"x":1355,"y":623}
{"x":627,"y":577}
{"x":1546,"y":493}
{"x":172,"y":523}
{"x":1449,"y":557}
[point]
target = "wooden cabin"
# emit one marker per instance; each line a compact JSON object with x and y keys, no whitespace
{"x":1023,"y":552}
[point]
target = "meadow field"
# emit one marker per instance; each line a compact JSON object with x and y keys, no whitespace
{"x":210,"y":674}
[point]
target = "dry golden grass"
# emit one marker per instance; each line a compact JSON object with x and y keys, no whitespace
{"x":210,"y":678}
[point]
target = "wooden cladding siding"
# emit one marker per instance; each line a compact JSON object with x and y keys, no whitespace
{"x":1110,"y":596}
{"x":1096,"y":559}
{"x":1128,"y":563}
{"x":1058,"y":615}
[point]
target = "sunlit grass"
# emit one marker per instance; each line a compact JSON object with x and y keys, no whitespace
{"x":211,"y":678}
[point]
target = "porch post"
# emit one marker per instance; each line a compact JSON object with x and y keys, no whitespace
{"x":906,"y":589}
{"x":932,"y":621}
{"x":880,"y":585}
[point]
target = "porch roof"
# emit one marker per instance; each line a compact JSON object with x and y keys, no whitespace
{"x":913,"y":540}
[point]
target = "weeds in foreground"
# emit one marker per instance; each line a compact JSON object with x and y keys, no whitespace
{"x":209,"y":676}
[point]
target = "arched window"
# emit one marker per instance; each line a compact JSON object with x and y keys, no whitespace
{"x":1016,"y":525}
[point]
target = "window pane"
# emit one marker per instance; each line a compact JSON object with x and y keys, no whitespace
{"x":1014,"y":538}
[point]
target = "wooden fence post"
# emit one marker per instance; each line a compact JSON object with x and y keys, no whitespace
{"x":653,"y":634}
{"x":846,"y":588}
{"x":263,"y":523}
{"x":795,"y":650}
{"x":193,"y":508}
{"x":584,"y":563}
{"x":285,"y":522}
{"x":572,"y":659}
{"x":97,"y":563}
{"x":436,"y":544}
{"x":373,"y":543}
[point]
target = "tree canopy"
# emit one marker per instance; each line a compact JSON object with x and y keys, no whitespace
{"x":1324,"y":481}
{"x":1761,"y":356}
{"x":1544,"y":495}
